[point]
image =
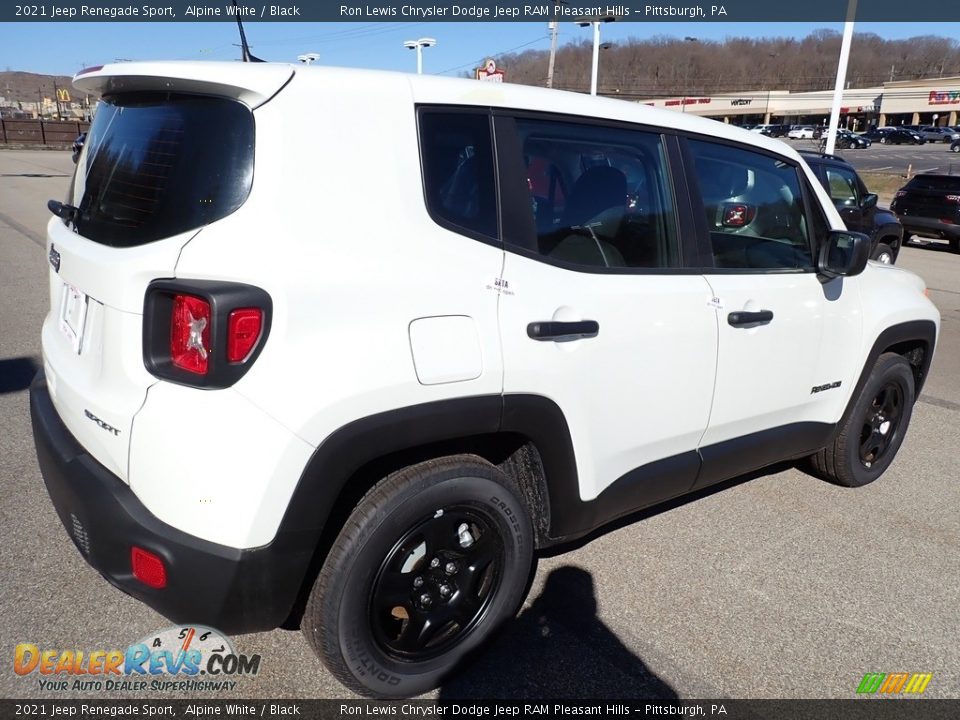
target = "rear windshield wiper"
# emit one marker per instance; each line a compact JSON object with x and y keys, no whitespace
{"x":63,"y":210}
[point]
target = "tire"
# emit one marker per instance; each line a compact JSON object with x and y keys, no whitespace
{"x":883,"y":141}
{"x":874,"y":430}
{"x":851,"y":146}
{"x":379,"y":582}
{"x":884,"y":254}
{"x":955,"y":148}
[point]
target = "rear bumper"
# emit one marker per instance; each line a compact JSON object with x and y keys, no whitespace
{"x":928,"y":227}
{"x":234,"y":590}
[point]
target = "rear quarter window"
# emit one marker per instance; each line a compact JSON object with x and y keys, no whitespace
{"x":946,"y":183}
{"x":157,"y":165}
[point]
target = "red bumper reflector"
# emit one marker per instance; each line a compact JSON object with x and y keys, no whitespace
{"x":148,"y":568}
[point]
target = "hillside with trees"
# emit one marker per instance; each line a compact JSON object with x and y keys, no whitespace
{"x":667,"y":66}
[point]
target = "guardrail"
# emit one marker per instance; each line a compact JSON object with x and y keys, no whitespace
{"x":40,"y":132}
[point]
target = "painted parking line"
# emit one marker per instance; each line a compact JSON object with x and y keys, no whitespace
{"x":885,"y":167}
{"x":929,"y":169}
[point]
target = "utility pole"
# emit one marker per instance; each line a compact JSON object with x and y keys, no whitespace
{"x":553,"y":24}
{"x":40,"y":103}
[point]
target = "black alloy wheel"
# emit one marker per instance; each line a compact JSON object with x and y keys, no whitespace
{"x":881,"y":423}
{"x":430,"y":563}
{"x":435,"y":585}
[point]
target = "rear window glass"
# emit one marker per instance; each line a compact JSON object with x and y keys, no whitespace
{"x":158,"y":165}
{"x":950,"y":183}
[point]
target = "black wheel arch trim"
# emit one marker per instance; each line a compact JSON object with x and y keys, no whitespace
{"x":347,"y":450}
{"x":922,"y":331}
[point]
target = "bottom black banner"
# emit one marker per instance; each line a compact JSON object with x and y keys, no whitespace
{"x":860,"y":709}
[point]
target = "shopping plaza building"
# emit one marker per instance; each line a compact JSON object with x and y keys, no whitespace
{"x":908,"y":102}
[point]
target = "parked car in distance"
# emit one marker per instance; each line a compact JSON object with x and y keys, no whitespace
{"x":774,"y":131}
{"x":894,"y":136}
{"x":929,"y":206}
{"x":932,"y":133}
{"x":802,"y":133}
{"x":847,"y":140}
{"x":857,"y":205}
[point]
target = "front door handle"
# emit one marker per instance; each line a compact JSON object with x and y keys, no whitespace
{"x":554,"y":330}
{"x":743,"y":318}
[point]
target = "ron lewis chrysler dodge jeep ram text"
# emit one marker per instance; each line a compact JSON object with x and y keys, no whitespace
{"x":349,"y":347}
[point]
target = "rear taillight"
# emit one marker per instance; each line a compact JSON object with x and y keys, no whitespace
{"x":204,"y":333}
{"x":953,"y":198}
{"x":190,"y":333}
{"x":243,"y":332}
{"x":900,"y":193}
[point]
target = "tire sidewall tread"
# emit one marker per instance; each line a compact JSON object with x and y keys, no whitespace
{"x":335,"y":620}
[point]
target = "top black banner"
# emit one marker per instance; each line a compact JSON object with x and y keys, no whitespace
{"x":472,"y":11}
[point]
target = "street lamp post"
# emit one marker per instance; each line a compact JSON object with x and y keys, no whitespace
{"x":595,"y":66}
{"x":419,"y":45}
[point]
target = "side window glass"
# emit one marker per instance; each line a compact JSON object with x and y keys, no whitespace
{"x":754,"y":208}
{"x":458,"y":175}
{"x":843,"y":187}
{"x":599,"y":196}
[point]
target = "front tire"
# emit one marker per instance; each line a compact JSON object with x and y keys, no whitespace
{"x":430,"y":563}
{"x":884,"y":254}
{"x":874,"y":431}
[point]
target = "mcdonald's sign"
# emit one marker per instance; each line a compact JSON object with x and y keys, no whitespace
{"x":63,"y":95}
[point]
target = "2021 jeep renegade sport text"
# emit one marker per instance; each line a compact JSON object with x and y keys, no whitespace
{"x":378,"y":375}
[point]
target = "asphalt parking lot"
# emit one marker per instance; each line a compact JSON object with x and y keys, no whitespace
{"x":777,"y":586}
{"x":930,"y":157}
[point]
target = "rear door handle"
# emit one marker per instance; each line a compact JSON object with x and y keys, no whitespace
{"x":743,"y":318}
{"x":553,"y":330}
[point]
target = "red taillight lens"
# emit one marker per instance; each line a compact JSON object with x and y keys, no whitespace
{"x":953,"y":198}
{"x":243,"y":332}
{"x":148,"y":568}
{"x":190,"y":333}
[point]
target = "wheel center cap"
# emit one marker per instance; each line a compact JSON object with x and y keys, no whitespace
{"x":884,"y":427}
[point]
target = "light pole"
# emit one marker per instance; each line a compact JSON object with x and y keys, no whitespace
{"x":595,"y":67}
{"x":419,"y":45}
{"x":686,"y":77}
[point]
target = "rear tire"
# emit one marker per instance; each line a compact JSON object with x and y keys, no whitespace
{"x":431,"y":562}
{"x":874,"y":431}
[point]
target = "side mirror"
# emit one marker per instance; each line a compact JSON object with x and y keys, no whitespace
{"x":844,"y":254}
{"x":78,"y":146}
{"x":868,"y":201}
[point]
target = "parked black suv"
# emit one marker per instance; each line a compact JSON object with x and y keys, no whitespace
{"x":858,"y":206}
{"x":929,"y":205}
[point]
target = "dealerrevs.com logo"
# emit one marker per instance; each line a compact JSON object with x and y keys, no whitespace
{"x":182,"y":658}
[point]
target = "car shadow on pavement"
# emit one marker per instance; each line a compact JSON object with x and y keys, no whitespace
{"x":16,"y":374}
{"x":558,"y":648}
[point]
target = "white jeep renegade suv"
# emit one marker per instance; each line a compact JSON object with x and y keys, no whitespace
{"x":349,"y":347}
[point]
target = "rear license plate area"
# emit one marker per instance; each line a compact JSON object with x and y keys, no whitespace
{"x":73,"y":315}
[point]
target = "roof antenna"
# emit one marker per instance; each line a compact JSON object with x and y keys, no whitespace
{"x":247,"y":55}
